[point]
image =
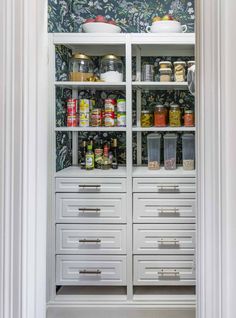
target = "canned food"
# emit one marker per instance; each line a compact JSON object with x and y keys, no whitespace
{"x":84,"y":120}
{"x":121,"y":119}
{"x":72,"y":121}
{"x":96,"y":117}
{"x":146,"y":118}
{"x":110,"y":104}
{"x":188,"y":118}
{"x":72,"y":107}
{"x":121,"y":105}
{"x":109,"y":119}
{"x":84,"y":105}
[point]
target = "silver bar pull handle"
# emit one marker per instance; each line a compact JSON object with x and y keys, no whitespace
{"x":168,"y":210}
{"x":89,"y":186}
{"x":168,"y":241}
{"x":93,"y":272}
{"x":167,"y":187}
{"x":168,"y":272}
{"x":85,"y":210}
{"x":90,"y":241}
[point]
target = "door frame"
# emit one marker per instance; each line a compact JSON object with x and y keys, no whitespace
{"x":23,"y":135}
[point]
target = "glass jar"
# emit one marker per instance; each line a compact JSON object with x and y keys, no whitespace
{"x":147,"y":72}
{"x":165,"y":64}
{"x":165,"y":74}
{"x":188,"y":118}
{"x":175,"y":116}
{"x":146,"y":118}
{"x":111,"y":69}
{"x":81,"y":67}
{"x":179,"y":71}
{"x":160,"y":116}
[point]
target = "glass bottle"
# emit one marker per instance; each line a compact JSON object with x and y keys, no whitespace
{"x":90,"y":158}
{"x":114,"y":164}
{"x":83,"y":154}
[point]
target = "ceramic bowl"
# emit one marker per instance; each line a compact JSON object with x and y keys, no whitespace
{"x":166,"y":27}
{"x":100,"y":27}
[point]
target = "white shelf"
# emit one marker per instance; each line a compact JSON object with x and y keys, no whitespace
{"x":144,"y":172}
{"x":91,"y":85}
{"x":77,"y":172}
{"x":160,"y":85}
{"x":97,"y":129}
{"x":160,"y":129}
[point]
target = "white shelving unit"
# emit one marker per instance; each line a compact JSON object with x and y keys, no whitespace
{"x":118,"y":191}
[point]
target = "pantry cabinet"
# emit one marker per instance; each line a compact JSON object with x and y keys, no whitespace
{"x":129,"y":228}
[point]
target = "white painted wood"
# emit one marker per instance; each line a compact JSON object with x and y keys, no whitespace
{"x":91,"y":85}
{"x":160,"y":85}
{"x":96,"y":129}
{"x":148,"y":208}
{"x":164,"y":270}
{"x":90,"y":239}
{"x":158,"y":129}
{"x":144,"y":172}
{"x":91,"y":270}
{"x":87,"y":208}
{"x":164,"y":239}
{"x":164,"y":185}
{"x":86,"y":185}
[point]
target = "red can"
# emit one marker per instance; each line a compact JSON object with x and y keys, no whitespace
{"x":72,"y":121}
{"x":110,"y":104}
{"x":109,"y":119}
{"x":72,"y":107}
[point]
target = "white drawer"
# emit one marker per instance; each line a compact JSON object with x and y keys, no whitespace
{"x":148,"y":208}
{"x":164,"y":239}
{"x":90,"y":208}
{"x":90,"y":270}
{"x":164,"y":270}
{"x":86,"y":185}
{"x":164,"y":185}
{"x":90,"y":239}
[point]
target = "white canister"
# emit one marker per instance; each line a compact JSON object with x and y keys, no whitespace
{"x":166,"y":27}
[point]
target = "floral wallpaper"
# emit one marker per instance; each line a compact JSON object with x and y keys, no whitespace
{"x":131,"y":16}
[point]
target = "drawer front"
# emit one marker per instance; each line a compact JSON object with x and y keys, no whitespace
{"x":94,"y":185}
{"x":90,"y":239}
{"x":90,"y":208}
{"x":150,"y":209}
{"x":164,"y":239}
{"x":164,"y":270}
{"x":90,"y":270}
{"x":164,"y":185}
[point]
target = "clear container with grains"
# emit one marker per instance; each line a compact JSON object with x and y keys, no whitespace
{"x":175,"y":116}
{"x":165,"y":74}
{"x":188,"y":149}
{"x":147,"y":72}
{"x":170,"y":145}
{"x":81,"y":67}
{"x":179,"y":71}
{"x":111,"y":69}
{"x":165,"y":64}
{"x":154,"y":151}
{"x":146,"y":118}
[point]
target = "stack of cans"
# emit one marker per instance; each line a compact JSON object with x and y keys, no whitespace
{"x":72,"y":113}
{"x":84,"y":112}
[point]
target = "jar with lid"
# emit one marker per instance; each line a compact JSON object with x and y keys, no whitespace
{"x":147,"y":72}
{"x":160,"y":116}
{"x":165,"y":74}
{"x":165,"y":64}
{"x":146,"y":118}
{"x":111,"y":69}
{"x":179,"y":71}
{"x":175,"y":116}
{"x":81,"y":67}
{"x":188,"y":118}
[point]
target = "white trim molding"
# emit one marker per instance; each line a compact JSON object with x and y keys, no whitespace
{"x":23,"y":131}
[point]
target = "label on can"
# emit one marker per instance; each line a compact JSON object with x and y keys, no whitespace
{"x":121,"y":119}
{"x":72,"y":107}
{"x":84,"y":106}
{"x":109,"y":119}
{"x":96,"y":118}
{"x":121,"y":105}
{"x":110,"y":104}
{"x":72,"y":121}
{"x":84,"y":120}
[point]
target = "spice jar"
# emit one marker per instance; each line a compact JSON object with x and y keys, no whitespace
{"x":160,"y":116}
{"x":165,"y":74}
{"x":165,"y":64}
{"x":81,"y":67}
{"x":147,"y":72}
{"x":111,"y":69}
{"x":175,"y":116}
{"x":188,"y":118}
{"x":179,"y":71}
{"x":146,"y":118}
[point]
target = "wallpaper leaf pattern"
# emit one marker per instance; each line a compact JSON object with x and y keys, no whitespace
{"x":131,"y":16}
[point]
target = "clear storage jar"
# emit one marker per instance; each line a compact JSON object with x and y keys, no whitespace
{"x":165,"y":64}
{"x":175,"y":116}
{"x":179,"y":71}
{"x":165,"y":74}
{"x":188,"y":149}
{"x":160,"y":116}
{"x":154,"y":151}
{"x":148,"y":72}
{"x":111,"y":69}
{"x":170,"y":145}
{"x":81,"y":67}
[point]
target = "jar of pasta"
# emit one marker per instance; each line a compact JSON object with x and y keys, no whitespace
{"x":179,"y":71}
{"x":160,"y":116}
{"x":146,"y":118}
{"x":175,"y":116}
{"x":165,"y":64}
{"x":165,"y":74}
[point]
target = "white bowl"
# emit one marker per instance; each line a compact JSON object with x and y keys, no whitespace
{"x":166,"y":27}
{"x":100,"y":27}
